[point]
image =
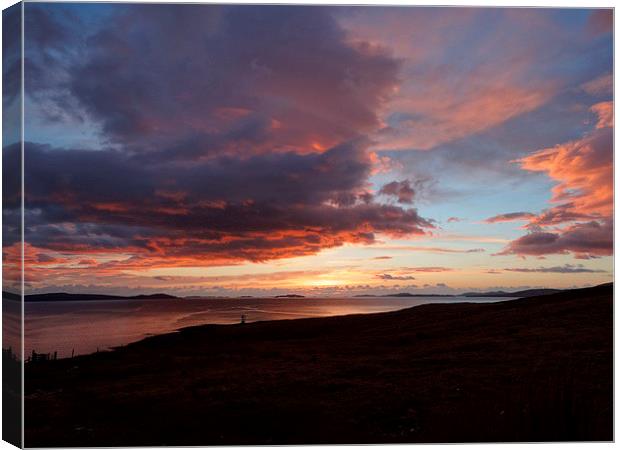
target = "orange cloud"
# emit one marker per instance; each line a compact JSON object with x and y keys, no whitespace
{"x":605,"y":113}
{"x":583,"y":170}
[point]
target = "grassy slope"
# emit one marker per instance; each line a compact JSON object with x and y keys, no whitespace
{"x":527,"y":370}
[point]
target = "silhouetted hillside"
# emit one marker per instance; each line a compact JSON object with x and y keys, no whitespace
{"x":532,"y":369}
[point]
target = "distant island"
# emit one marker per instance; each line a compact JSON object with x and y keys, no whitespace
{"x":152,"y":296}
{"x":517,"y":294}
{"x":525,"y":293}
{"x":66,"y":297}
{"x":405,"y":294}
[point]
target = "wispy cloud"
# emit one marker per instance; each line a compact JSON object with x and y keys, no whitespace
{"x":416,"y":248}
{"x":510,"y":217}
{"x":567,"y":268}
{"x":431,"y":269}
{"x":387,"y":276}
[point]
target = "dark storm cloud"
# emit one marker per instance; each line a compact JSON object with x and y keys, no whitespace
{"x":239,"y":135}
{"x":222,"y":83}
{"x":11,"y":54}
{"x":262,"y":207}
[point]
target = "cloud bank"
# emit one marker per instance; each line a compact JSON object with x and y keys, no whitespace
{"x":217,"y":142}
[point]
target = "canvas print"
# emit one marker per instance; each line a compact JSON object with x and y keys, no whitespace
{"x":303,"y":224}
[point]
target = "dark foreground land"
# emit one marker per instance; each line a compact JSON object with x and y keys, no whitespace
{"x":532,"y":369}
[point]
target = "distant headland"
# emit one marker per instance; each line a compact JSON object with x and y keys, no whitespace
{"x":66,"y":297}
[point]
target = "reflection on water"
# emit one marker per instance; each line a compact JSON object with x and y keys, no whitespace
{"x":12,"y":326}
{"x":85,"y":327}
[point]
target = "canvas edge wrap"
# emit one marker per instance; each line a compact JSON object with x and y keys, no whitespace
{"x":12,"y":226}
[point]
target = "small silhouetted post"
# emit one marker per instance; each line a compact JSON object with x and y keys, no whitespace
{"x":72,"y":352}
{"x":55,"y":356}
{"x":242,"y":318}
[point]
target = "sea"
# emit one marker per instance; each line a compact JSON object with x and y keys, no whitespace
{"x":82,"y":327}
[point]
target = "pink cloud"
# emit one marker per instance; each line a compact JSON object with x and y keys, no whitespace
{"x":601,"y":21}
{"x":445,"y":97}
{"x":601,"y":85}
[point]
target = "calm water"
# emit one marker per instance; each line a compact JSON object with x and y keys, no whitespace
{"x":86,"y":326}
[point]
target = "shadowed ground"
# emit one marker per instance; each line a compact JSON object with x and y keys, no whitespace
{"x":533,"y":369}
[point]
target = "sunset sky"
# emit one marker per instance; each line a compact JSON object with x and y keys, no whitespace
{"x":260,"y":150}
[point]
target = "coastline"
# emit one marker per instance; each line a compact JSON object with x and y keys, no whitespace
{"x":79,"y":328}
{"x":524,"y":370}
